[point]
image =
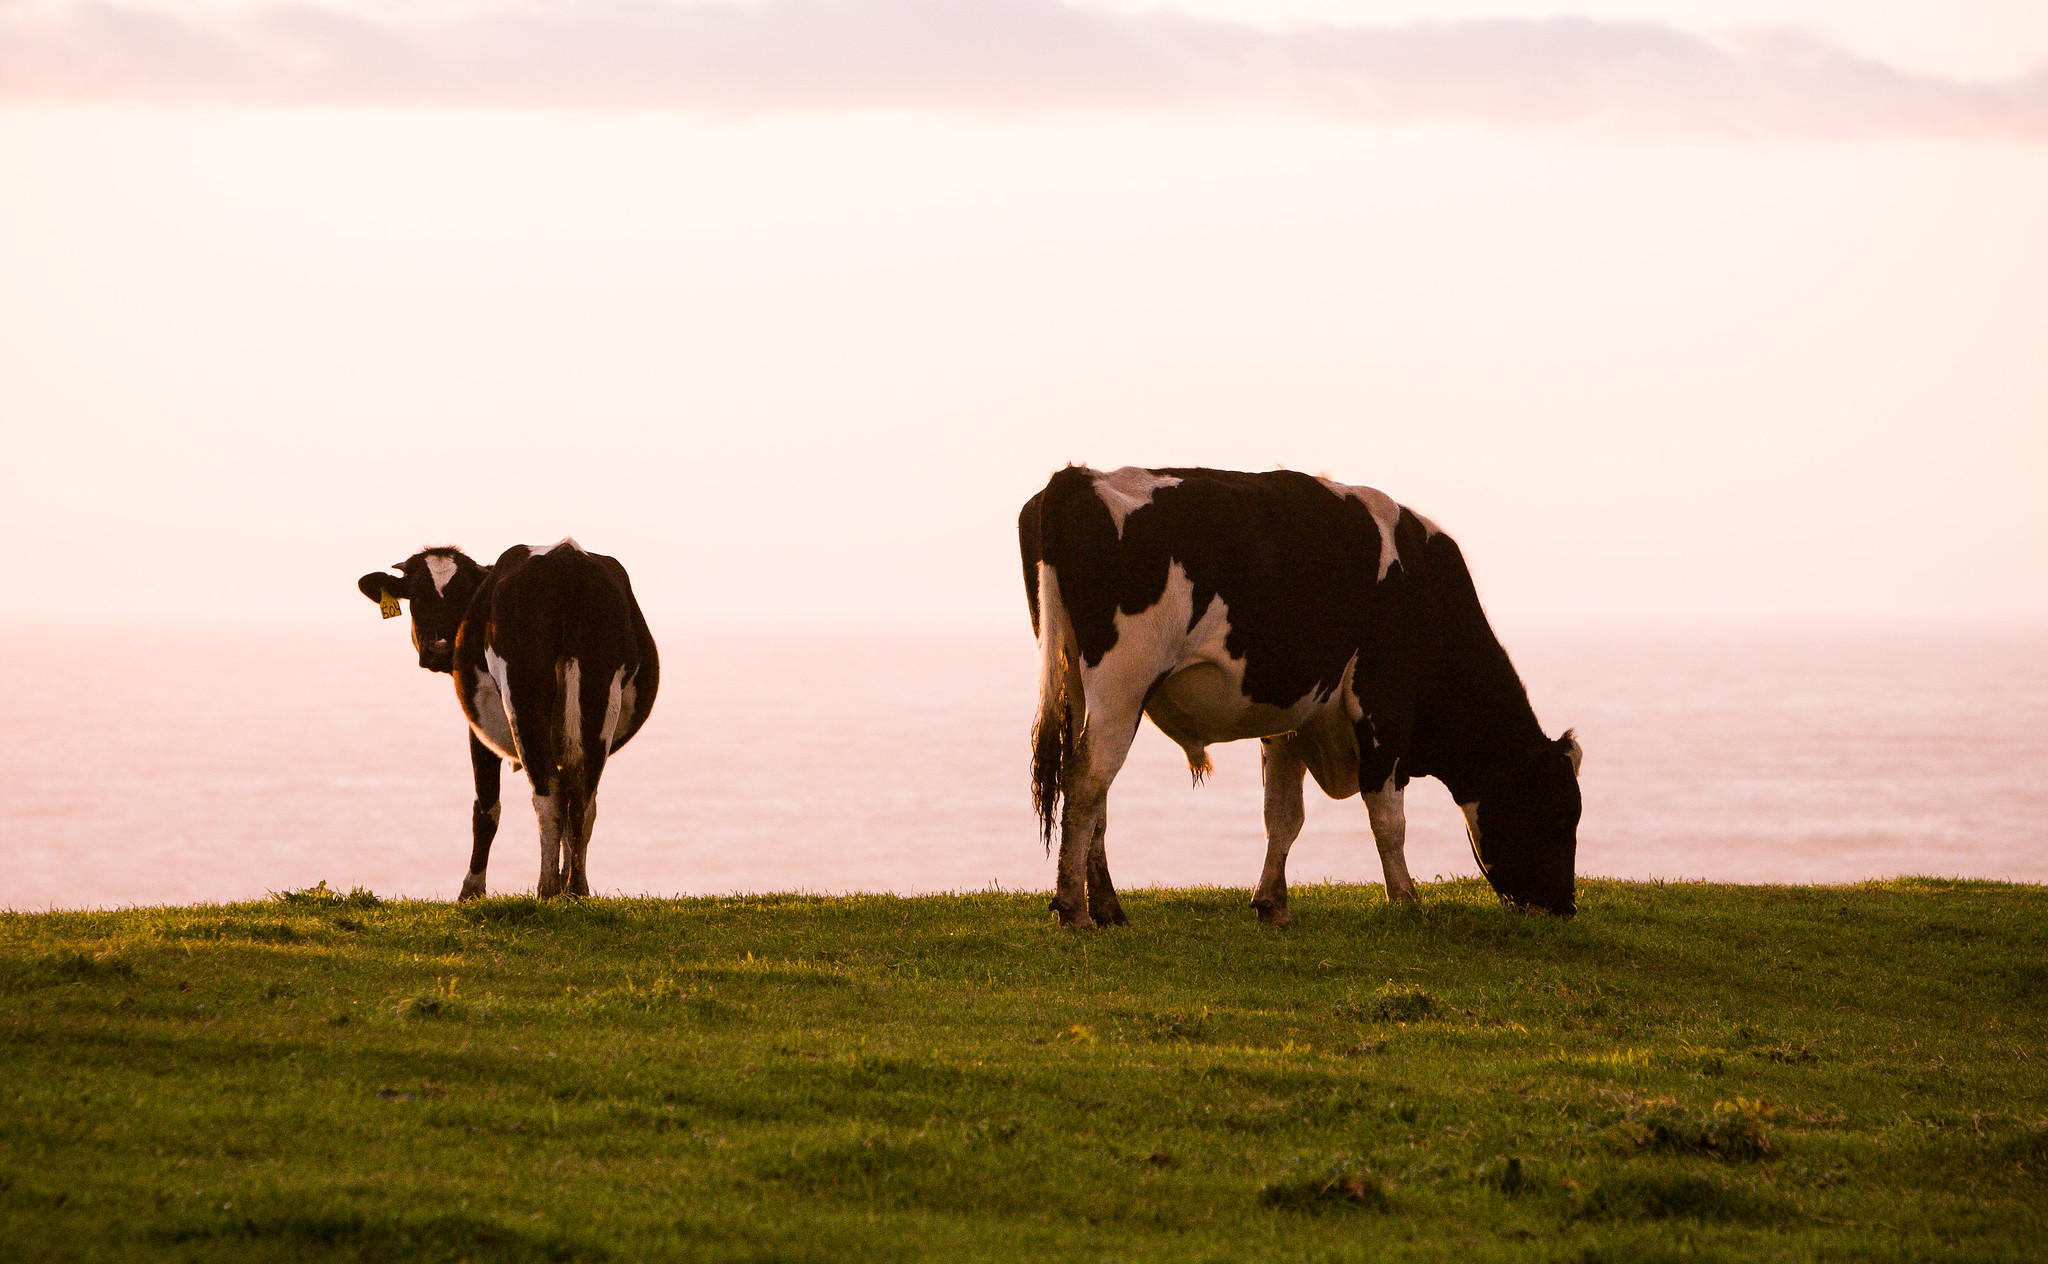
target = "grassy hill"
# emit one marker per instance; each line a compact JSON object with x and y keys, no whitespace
{"x":1685,"y":1071}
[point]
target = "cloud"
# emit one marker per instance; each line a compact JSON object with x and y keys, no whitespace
{"x":1000,"y":55}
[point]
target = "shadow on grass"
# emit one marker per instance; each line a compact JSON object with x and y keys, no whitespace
{"x":975,"y":1168}
{"x":350,"y":1234}
{"x":1677,"y":1196}
{"x":54,"y":969}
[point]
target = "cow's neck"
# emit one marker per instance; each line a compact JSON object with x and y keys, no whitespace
{"x":1473,"y":716}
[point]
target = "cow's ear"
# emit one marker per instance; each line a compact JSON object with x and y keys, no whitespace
{"x":1573,"y":751}
{"x":382,"y":588}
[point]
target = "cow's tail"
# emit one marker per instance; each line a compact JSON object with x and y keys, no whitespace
{"x":575,"y":792}
{"x":580,"y":720}
{"x":1053,"y":735}
{"x":572,"y":771}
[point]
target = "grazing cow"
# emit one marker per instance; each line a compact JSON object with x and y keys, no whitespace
{"x":555,"y":670}
{"x":1336,"y":626}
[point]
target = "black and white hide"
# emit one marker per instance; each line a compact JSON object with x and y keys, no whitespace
{"x":555,"y":669}
{"x":1336,"y":626}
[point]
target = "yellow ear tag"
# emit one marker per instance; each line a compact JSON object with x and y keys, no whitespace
{"x":389,"y":605}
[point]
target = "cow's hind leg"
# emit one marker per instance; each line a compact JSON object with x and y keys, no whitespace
{"x":586,"y":729}
{"x":1083,"y":816}
{"x":487,"y":770}
{"x":549,"y":810}
{"x":1103,"y":906}
{"x":578,"y":850}
{"x":1390,"y":833}
{"x":533,"y":706}
{"x":1282,"y":769}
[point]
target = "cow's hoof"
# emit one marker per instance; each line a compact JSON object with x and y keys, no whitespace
{"x":472,"y":887}
{"x":1072,"y":917}
{"x":1108,"y":915}
{"x":1273,"y":914}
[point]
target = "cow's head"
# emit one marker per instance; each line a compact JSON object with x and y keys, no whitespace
{"x":437,"y":584}
{"x":1525,"y":828}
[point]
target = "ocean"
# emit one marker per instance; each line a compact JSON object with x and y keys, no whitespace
{"x":154,"y":765}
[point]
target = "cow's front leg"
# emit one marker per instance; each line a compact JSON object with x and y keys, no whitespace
{"x":1282,"y":769}
{"x":1390,"y":832}
{"x":1103,"y":906}
{"x":486,"y":768}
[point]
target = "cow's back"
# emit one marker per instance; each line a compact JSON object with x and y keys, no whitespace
{"x":559,"y":633}
{"x":1308,"y":570}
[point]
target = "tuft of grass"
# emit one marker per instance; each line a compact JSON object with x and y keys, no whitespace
{"x":1697,"y":1059}
{"x":319,"y":897}
{"x":1796,"y":1055}
{"x":254,"y":930}
{"x":709,"y":1009}
{"x":659,"y":993}
{"x":1513,"y":1177}
{"x":439,"y":1001}
{"x":506,"y":910}
{"x":860,"y":1167}
{"x":1340,"y":1186}
{"x":1393,"y":1003}
{"x":1731,"y":1130}
{"x":1181,"y":1026}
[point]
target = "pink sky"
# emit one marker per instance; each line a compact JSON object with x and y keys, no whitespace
{"x":991,"y":54}
{"x":1668,"y":311}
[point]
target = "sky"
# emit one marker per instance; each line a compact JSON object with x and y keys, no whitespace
{"x":1669,"y":311}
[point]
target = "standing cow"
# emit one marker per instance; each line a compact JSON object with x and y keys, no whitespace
{"x":555,"y":670}
{"x":1336,"y":626}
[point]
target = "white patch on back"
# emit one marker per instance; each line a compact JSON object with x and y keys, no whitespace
{"x":546,"y":549}
{"x":1128,"y":489}
{"x":442,"y":568}
{"x":1386,"y":515}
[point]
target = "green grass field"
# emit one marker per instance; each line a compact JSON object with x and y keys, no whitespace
{"x":1684,"y":1072}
